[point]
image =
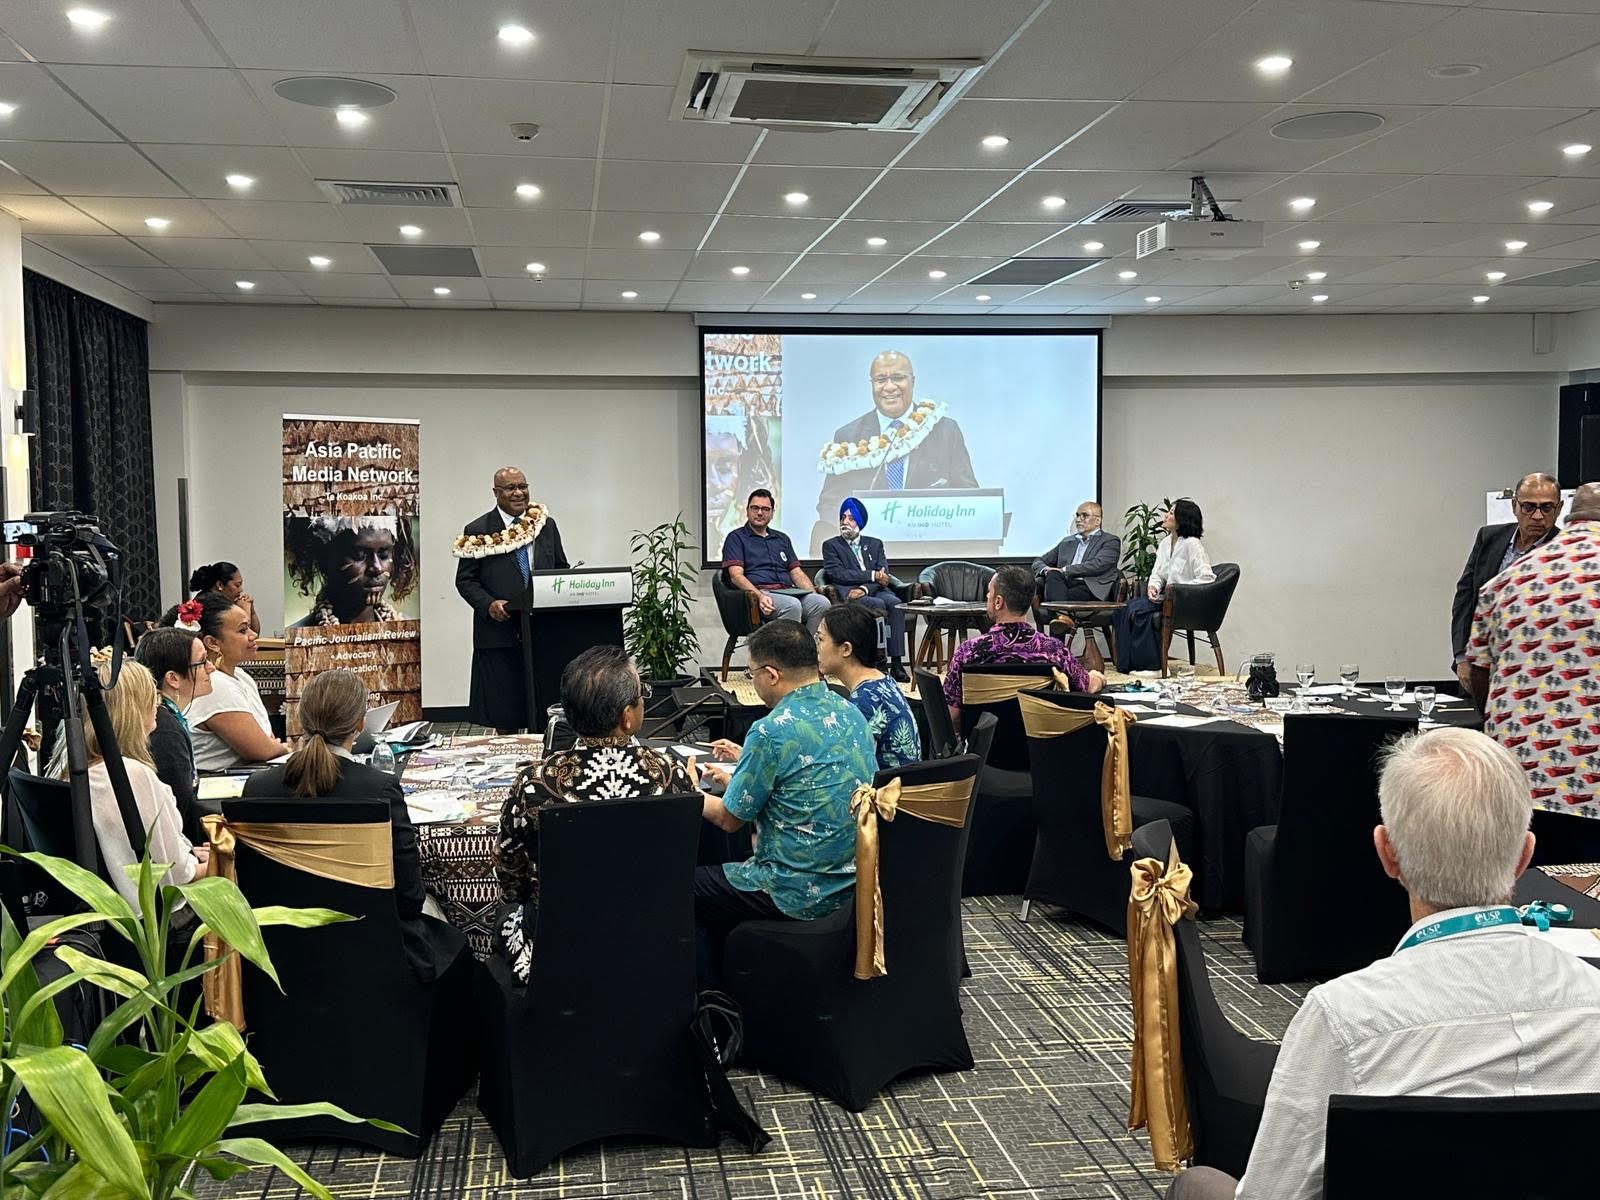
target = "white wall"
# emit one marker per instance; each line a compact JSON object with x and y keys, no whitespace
{"x":1340,"y":459}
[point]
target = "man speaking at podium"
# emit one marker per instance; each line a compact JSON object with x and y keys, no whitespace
{"x":901,"y":444}
{"x":498,"y":554}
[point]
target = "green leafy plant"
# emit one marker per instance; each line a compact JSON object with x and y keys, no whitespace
{"x":1142,"y":532}
{"x":153,"y":1095}
{"x":660,"y":635}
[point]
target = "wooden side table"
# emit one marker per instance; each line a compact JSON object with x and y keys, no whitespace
{"x":1089,"y":615}
{"x":946,"y":624}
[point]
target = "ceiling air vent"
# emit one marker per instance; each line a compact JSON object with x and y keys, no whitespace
{"x":1140,"y":212}
{"x":394,"y":195}
{"x":1564,"y":277}
{"x":1034,"y":272}
{"x":904,"y":95}
{"x":441,"y":262}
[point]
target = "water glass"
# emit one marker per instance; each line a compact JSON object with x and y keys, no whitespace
{"x":1166,"y":699}
{"x":1305,"y":672}
{"x":1348,"y":674}
{"x":1183,"y":679}
{"x":1426,"y":696}
{"x":1395,"y":686}
{"x":382,"y":758}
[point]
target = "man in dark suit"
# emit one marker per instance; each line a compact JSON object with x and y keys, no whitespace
{"x":499,"y":695}
{"x":858,"y":567}
{"x":1082,"y":565}
{"x":940,"y":460}
{"x":1535,"y":503}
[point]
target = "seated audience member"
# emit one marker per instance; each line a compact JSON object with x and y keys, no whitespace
{"x":1082,"y":565}
{"x":227,"y":581}
{"x":604,"y":702}
{"x":858,"y":567}
{"x":847,"y":649}
{"x":759,"y":560}
{"x":176,"y":659}
{"x":230,"y":725}
{"x":1471,"y":1002}
{"x":798,"y":769}
{"x":1013,"y":639}
{"x":333,"y":707}
{"x":1180,"y":558}
{"x":131,"y":705}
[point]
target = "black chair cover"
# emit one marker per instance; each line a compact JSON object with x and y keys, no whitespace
{"x":598,"y":1044}
{"x":1508,"y":1147}
{"x":808,"y":1019}
{"x":1319,"y":857}
{"x":39,"y":818}
{"x":1070,"y":865}
{"x":1001,"y":846}
{"x":1225,"y":1074}
{"x":353,"y":1024}
{"x":941,"y":730}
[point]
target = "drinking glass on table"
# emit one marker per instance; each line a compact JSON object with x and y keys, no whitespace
{"x":1183,"y":679}
{"x":1395,"y":686}
{"x":1166,"y":698}
{"x":1305,"y":672}
{"x":1427,"y":696}
{"x":382,"y":758}
{"x":1348,"y":674}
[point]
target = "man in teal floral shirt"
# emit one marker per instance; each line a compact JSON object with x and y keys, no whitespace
{"x":793,"y":781}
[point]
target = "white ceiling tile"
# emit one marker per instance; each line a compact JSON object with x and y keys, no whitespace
{"x":885,"y":306}
{"x":45,"y":112}
{"x":653,"y":37}
{"x":313,"y":35}
{"x":50,"y":215}
{"x":1566,"y":82}
{"x":921,"y":28}
{"x":192,"y":297}
{"x":1571,"y":197}
{"x":736,"y":232}
{"x":92,"y":251}
{"x":151,"y":279}
{"x":1447,"y":136}
{"x":360,"y":302}
{"x":263,"y":298}
{"x":638,"y":125}
{"x":511,"y":262}
{"x":898,"y":293}
{"x":219,"y":253}
{"x":203,"y":172}
{"x":491,"y":180}
{"x":713,"y":266}
{"x":281,"y":222}
{"x":572,"y":38}
{"x":341,"y":285}
{"x":405,"y":123}
{"x":534,"y":228}
{"x":958,"y":271}
{"x":174,"y":104}
{"x":420,"y":287}
{"x":1035,"y":127}
{"x":831,"y":147}
{"x":831,"y":190}
{"x":1084,"y":192}
{"x":609,"y":291}
{"x":353,"y":163}
{"x":348,"y":258}
{"x":708,"y":294}
{"x":627,"y":186}
{"x":268,"y":283}
{"x":620,"y":231}
{"x":655,"y":265}
{"x":905,"y":194}
{"x":87,"y":169}
{"x":528,"y":291}
{"x":477,"y":115}
{"x":141,"y":32}
{"x":1143,"y":135}
{"x":1254,"y":148}
{"x":190,"y":218}
{"x":839,"y":269}
{"x":1344,"y":197}
{"x":975,"y":238}
{"x":380,"y":223}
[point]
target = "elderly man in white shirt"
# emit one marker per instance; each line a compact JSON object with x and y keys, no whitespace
{"x":1471,"y":1002}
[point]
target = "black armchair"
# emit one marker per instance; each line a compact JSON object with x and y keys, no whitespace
{"x":740,"y":612}
{"x":1321,"y":848}
{"x":1190,"y":608}
{"x":1225,"y":1074}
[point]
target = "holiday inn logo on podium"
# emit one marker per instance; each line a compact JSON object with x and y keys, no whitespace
{"x":583,"y":583}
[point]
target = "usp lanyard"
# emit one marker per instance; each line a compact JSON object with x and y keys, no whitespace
{"x":1488,"y":918}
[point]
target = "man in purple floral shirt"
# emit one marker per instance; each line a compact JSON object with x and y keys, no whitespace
{"x":1013,"y":639}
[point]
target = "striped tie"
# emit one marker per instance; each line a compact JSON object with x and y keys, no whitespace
{"x":896,"y":474}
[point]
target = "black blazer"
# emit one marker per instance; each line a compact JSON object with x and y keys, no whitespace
{"x":839,"y":561}
{"x":940,"y":462}
{"x":1098,"y":570}
{"x":482,"y":581}
{"x":1483,"y":564}
{"x":173,"y":755}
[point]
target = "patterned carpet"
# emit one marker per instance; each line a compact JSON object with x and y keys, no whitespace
{"x":1041,"y":1117}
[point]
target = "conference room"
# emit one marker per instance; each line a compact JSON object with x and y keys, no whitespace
{"x":811,"y":599}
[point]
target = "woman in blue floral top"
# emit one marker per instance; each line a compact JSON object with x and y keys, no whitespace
{"x":847,"y":649}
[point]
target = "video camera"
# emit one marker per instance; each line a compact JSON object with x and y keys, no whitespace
{"x":72,"y":561}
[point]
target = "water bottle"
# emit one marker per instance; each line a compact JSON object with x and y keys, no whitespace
{"x":383,"y":758}
{"x":461,"y":780}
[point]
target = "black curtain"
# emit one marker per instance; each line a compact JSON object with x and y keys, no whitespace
{"x":90,"y":365}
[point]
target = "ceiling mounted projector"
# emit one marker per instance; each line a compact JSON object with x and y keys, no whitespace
{"x":1199,"y":236}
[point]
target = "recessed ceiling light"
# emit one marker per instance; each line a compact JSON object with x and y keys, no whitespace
{"x":983,"y":297}
{"x":1303,"y":203}
{"x":515,"y":35}
{"x":996,"y":140}
{"x":320,"y":260}
{"x":1576,"y":150}
{"x":528,"y":191}
{"x":795,"y":197}
{"x":1054,"y":202}
{"x":877,"y":241}
{"x":245,"y":285}
{"x":1480,"y":299}
{"x":1274,"y":64}
{"x":157,"y":223}
{"x":1326,"y":126}
{"x":808,"y":295}
{"x":536,"y":268}
{"x":411,"y":230}
{"x":87,"y":18}
{"x":1127,"y":274}
{"x":1091,"y":247}
{"x":1539,"y":207}
{"x":1309,"y":244}
{"x":1494,"y":276}
{"x":936,"y":274}
{"x":7,"y":109}
{"x":243,"y":182}
{"x":1316,"y":276}
{"x":351,"y":118}
{"x":1152,"y":299}
{"x":1454,"y":70}
{"x":630,"y":295}
{"x":649,"y":235}
{"x":1319,"y":298}
{"x":1514,"y":246}
{"x":739,"y":270}
{"x":441,"y":291}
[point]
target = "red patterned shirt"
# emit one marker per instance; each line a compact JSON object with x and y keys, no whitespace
{"x":1537,"y":632}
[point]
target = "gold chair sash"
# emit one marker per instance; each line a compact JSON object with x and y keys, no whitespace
{"x":941,"y":803}
{"x":1042,"y":719}
{"x":1063,"y":683}
{"x":1158,"y":900}
{"x":980,"y":687}
{"x":361,"y":854}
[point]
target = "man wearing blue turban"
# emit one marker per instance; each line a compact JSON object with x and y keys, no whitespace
{"x":858,"y":567}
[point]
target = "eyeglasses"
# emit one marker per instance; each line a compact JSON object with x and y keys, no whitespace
{"x":1083,"y":516}
{"x":1528,"y":507}
{"x":760,"y":507}
{"x":204,"y":664}
{"x":897,"y":380}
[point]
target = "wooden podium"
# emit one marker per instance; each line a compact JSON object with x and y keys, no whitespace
{"x":563,"y":613}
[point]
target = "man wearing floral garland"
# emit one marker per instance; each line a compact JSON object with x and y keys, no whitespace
{"x":902,"y":443}
{"x":498,"y":554}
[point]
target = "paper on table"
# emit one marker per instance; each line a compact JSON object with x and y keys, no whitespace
{"x":1136,"y":708}
{"x":692,"y":751}
{"x":1181,"y":720}
{"x":1582,"y":942}
{"x":1275,"y":730}
{"x":1325,"y":689}
{"x":219,"y":787}
{"x":1129,"y":695}
{"x":433,"y":808}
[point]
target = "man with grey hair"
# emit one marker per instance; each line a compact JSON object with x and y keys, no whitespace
{"x":1471,"y":1002}
{"x":1534,"y":503}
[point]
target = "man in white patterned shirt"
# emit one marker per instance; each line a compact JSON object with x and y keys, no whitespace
{"x":1471,"y":1003}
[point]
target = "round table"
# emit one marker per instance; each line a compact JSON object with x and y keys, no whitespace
{"x":1089,"y":615}
{"x":945,"y":621}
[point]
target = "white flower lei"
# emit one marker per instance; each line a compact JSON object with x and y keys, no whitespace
{"x":870,"y":453}
{"x":509,"y":540}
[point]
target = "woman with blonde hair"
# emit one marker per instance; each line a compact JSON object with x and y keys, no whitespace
{"x":131,"y":705}
{"x":332,"y":709}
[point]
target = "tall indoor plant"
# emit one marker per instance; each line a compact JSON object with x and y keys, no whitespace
{"x":660,"y":635}
{"x":1142,"y":532}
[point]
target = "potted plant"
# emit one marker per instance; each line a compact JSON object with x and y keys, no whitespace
{"x":152,"y":1095}
{"x":1142,"y":532}
{"x":660,"y":635}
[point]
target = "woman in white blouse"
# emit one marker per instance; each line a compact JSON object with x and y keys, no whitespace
{"x":1180,"y":558}
{"x":230,"y":726}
